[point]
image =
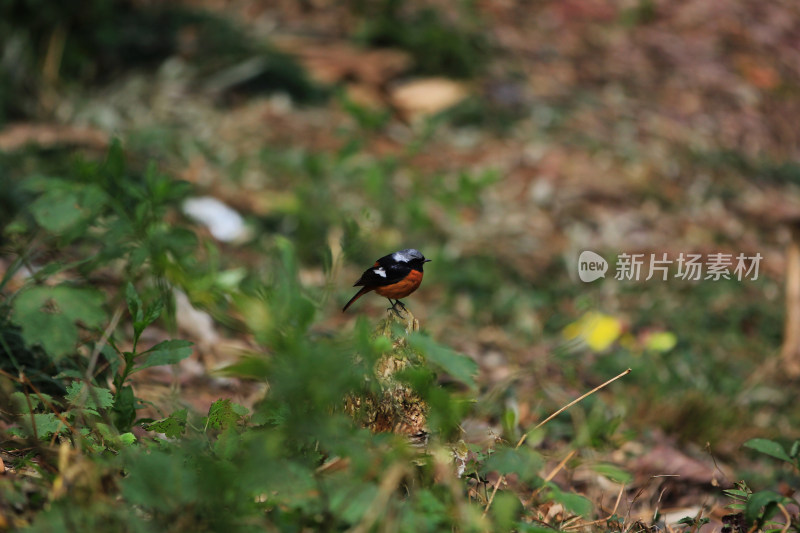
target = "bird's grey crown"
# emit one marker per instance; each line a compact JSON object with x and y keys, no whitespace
{"x":407,"y":255}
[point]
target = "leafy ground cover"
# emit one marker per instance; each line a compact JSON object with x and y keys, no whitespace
{"x":156,"y":377}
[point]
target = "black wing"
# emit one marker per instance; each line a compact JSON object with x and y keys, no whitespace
{"x":392,"y":270}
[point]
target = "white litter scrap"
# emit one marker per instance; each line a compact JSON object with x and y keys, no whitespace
{"x":224,"y":223}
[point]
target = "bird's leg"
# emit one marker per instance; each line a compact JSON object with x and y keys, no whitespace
{"x":394,"y":307}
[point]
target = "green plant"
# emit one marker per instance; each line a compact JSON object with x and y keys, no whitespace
{"x":775,"y":450}
{"x":124,"y":363}
{"x":761,"y":508}
{"x":106,"y":39}
{"x":100,"y":215}
{"x":755,"y":509}
{"x":110,"y":221}
{"x":296,"y":459}
{"x":438,"y":47}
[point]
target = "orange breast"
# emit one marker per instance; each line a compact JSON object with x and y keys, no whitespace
{"x":403,"y":288}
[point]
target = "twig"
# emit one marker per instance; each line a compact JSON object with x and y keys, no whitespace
{"x":658,"y":502}
{"x":714,"y":460}
{"x":551,"y":475}
{"x":619,"y":499}
{"x":388,"y":484}
{"x":98,"y":347}
{"x":33,"y":418}
{"x":548,"y":419}
{"x":787,"y":516}
{"x":54,"y":55}
{"x":697,"y":518}
{"x":606,"y":519}
{"x":9,"y":376}
{"x":491,"y":498}
{"x":570,"y":404}
{"x":23,"y":380}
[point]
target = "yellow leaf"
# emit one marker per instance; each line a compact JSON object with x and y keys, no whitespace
{"x":663,"y":341}
{"x":597,"y":330}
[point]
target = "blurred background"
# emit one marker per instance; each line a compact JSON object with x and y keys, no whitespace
{"x":500,"y":138}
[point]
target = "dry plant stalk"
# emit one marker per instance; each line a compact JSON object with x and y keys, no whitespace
{"x":397,"y":408}
{"x":790,"y":351}
{"x":545,"y":421}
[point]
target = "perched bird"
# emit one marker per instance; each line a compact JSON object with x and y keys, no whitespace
{"x":392,"y":276}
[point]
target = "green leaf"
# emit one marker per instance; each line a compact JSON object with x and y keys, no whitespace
{"x":124,"y":409}
{"x":114,"y":165}
{"x":505,"y":461}
{"x":47,"y":424}
{"x":113,"y":358}
{"x":351,"y":505}
{"x":752,"y":511}
{"x":21,"y":402}
{"x":63,"y":204}
{"x":78,"y":394}
{"x":173,"y":426}
{"x":160,"y":481}
{"x":47,"y":316}
{"x":240,"y":410}
{"x":227,"y":444}
{"x":81,"y":305}
{"x":135,"y":306}
{"x":56,"y":267}
{"x":141,"y":317}
{"x":737,"y":494}
{"x":460,"y":367}
{"x":152,"y":314}
{"x":43,"y":323}
{"x":55,"y":333}
{"x":769,"y":447}
{"x":571,"y":501}
{"x":510,"y":421}
{"x":612,"y":472}
{"x":128,"y":439}
{"x":223,"y":414}
{"x":662,"y":341}
{"x":250,"y":367}
{"x":523,"y":461}
{"x":165,"y":353}
{"x":505,"y":509}
{"x":57,"y":210}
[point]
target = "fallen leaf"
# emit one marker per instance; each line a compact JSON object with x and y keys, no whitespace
{"x":427,"y":96}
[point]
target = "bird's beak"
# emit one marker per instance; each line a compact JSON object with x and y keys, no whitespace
{"x":427,"y":260}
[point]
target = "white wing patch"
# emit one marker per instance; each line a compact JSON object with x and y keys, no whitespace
{"x":380,"y":271}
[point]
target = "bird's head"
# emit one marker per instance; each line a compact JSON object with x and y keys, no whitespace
{"x":411,"y":256}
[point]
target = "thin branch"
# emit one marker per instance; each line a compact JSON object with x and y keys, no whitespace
{"x":98,"y":347}
{"x":787,"y":516}
{"x":570,"y":404}
{"x":389,"y":483}
{"x":551,"y":475}
{"x":548,"y":419}
{"x":491,"y":498}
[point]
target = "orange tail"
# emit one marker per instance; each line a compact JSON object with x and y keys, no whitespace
{"x":359,"y":294}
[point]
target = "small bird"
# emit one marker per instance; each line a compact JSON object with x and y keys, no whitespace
{"x":392,"y":276}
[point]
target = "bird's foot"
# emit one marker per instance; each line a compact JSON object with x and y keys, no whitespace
{"x":395,"y":310}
